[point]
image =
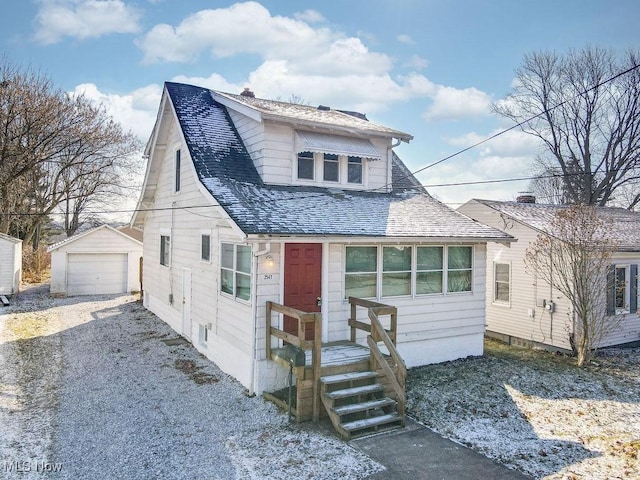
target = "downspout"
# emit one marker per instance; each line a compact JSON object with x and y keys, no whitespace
{"x":254,"y":313}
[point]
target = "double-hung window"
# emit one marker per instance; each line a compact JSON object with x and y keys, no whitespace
{"x":459,"y":269}
{"x":396,"y":271}
{"x":354,"y":170}
{"x":361,"y":267}
{"x":165,"y":250}
{"x":429,"y":271}
{"x":622,"y":288}
{"x":235,"y":270}
{"x":501,"y":282}
{"x":331,"y":168}
{"x":306,"y":166}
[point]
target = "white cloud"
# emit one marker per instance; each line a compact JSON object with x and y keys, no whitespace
{"x":83,"y":19}
{"x":403,"y":38}
{"x":213,"y":82}
{"x":510,"y":143}
{"x":451,"y":103}
{"x":417,"y":62}
{"x":309,"y":16}
{"x":135,"y":111}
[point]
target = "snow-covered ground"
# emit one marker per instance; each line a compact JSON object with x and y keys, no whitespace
{"x":536,"y":411}
{"x":89,"y":389}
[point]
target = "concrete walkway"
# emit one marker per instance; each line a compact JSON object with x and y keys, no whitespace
{"x":417,"y":453}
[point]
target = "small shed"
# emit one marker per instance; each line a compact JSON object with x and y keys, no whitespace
{"x":10,"y":264}
{"x":103,"y":260}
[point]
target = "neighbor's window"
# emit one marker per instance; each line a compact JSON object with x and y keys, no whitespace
{"x":177,"y":172}
{"x":205,"y":247}
{"x":306,"y":165}
{"x":331,"y":168}
{"x":354,"y":170}
{"x":459,"y":268}
{"x":502,"y":283}
{"x":429,"y":271}
{"x":361,"y":272}
{"x":396,"y":271}
{"x":235,"y":270}
{"x":622,"y":288}
{"x":165,"y":249}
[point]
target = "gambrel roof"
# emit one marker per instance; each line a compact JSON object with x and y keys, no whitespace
{"x":625,"y":224}
{"x":226,"y":170}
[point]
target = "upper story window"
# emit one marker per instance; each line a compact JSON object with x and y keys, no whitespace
{"x":177,"y":171}
{"x":331,"y":168}
{"x":306,"y":166}
{"x":354,"y":170}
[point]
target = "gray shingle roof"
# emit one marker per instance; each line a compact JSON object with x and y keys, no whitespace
{"x":625,"y":224}
{"x":225,"y":168}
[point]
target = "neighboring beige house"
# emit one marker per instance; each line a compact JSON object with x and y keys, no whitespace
{"x":248,"y":200}
{"x":103,"y":260}
{"x":520,"y":309}
{"x":10,"y":264}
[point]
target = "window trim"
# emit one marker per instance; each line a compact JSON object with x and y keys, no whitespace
{"x":627,"y":288}
{"x":343,"y":165}
{"x":495,"y":300}
{"x":235,"y":272}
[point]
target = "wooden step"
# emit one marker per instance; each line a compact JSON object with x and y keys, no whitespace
{"x":364,"y":406}
{"x":347,"y":377}
{"x":355,"y":391}
{"x":368,"y":423}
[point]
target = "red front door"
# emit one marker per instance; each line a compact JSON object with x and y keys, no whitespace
{"x":302,"y":282}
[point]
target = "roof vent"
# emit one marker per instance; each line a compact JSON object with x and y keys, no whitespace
{"x":247,"y":93}
{"x":526,"y":197}
{"x":324,"y":108}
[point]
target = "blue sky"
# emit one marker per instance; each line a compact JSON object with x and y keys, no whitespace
{"x":428,"y":67}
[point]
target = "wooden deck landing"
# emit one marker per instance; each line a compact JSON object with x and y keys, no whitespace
{"x":340,"y":353}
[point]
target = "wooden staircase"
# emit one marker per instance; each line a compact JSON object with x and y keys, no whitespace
{"x":357,"y":405}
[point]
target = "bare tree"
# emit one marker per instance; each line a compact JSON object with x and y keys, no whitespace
{"x":585,"y":109}
{"x":575,"y":259}
{"x":547,"y":185}
{"x":54,"y":149}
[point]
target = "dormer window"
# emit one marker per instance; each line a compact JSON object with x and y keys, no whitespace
{"x":331,"y":168}
{"x":306,"y":165}
{"x":354,"y":170}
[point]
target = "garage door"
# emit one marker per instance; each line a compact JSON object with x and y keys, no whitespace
{"x":96,"y":273}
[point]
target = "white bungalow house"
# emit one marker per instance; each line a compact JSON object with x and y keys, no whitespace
{"x":248,"y":201}
{"x":523,"y":310}
{"x":10,"y":264}
{"x":103,"y":260}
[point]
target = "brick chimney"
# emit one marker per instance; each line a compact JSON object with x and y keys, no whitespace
{"x":247,"y":93}
{"x":526,"y":197}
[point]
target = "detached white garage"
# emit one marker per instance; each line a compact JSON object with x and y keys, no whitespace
{"x":10,"y":264}
{"x":100,"y":261}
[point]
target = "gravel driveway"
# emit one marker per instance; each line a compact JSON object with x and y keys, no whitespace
{"x":89,"y":388}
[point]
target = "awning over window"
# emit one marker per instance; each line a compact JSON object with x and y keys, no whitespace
{"x":326,"y":143}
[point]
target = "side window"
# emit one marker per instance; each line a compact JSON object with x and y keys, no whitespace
{"x":165,"y":249}
{"x":331,"y":168}
{"x":235,"y":270}
{"x":306,"y":166}
{"x":361,"y":272}
{"x":177,"y":171}
{"x":205,"y":247}
{"x":459,"y":269}
{"x":502,"y":282}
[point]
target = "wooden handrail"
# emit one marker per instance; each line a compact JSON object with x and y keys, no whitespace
{"x":377,"y":333}
{"x":300,"y":341}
